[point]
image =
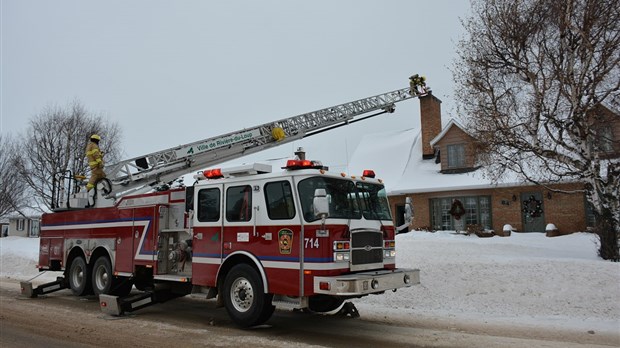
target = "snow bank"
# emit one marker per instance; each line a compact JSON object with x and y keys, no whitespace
{"x":526,"y":279}
{"x":19,"y":257}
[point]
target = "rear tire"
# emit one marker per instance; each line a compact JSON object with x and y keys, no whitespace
{"x":244,"y":299}
{"x":105,"y":283}
{"x":79,"y":277}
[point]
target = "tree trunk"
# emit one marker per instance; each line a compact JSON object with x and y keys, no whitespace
{"x":607,"y":231}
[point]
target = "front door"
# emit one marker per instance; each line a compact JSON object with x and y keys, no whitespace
{"x":532,"y":212}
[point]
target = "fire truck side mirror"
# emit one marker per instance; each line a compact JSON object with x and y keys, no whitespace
{"x":320,"y":203}
{"x":408,"y":210}
{"x":407,"y":216}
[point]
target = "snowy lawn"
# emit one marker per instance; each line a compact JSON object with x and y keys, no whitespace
{"x":526,"y":279}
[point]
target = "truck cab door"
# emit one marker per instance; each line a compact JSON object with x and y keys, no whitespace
{"x":207,"y":234}
{"x":239,"y":218}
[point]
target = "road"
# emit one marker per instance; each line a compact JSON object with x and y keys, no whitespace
{"x":62,"y":320}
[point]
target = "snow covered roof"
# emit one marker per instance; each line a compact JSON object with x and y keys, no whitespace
{"x":29,"y":217}
{"x":387,"y":153}
{"x":396,"y":157}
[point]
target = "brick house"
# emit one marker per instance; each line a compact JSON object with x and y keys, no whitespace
{"x":435,"y":167}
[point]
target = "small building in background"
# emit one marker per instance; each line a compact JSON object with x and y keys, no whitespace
{"x":4,"y":227}
{"x":24,"y":226}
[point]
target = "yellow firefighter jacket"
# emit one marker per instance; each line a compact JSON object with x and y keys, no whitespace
{"x":94,"y":155}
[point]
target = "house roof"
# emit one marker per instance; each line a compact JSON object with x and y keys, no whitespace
{"x":396,"y":157}
{"x":452,"y":123}
{"x":29,"y":217}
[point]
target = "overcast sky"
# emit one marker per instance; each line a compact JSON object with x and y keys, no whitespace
{"x":173,"y":72}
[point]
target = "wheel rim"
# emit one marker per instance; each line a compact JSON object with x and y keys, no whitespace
{"x":101,"y":278}
{"x":77,"y":276}
{"x":242,"y":295}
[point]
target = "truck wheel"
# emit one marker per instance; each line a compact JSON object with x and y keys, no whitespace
{"x":104,"y":282}
{"x":124,"y":287}
{"x":244,"y":299}
{"x":79,"y":277}
{"x":324,"y":303}
{"x":102,"y":276}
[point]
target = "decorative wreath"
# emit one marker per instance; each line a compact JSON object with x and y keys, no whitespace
{"x":457,"y":210}
{"x":532,"y":207}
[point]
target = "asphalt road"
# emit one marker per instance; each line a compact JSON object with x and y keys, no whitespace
{"x":62,"y":320}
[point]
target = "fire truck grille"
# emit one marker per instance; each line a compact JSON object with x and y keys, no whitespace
{"x":367,"y":247}
{"x":362,"y":257}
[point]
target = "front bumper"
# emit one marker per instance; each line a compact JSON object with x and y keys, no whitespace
{"x":365,"y":283}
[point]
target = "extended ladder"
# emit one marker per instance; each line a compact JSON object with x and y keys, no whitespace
{"x":144,"y":172}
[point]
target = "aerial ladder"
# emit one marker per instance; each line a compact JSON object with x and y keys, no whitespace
{"x":145,"y":173}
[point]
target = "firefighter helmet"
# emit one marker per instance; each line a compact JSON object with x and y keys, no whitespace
{"x":95,"y":137}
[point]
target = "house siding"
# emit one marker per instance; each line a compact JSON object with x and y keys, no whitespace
{"x":455,"y":136}
{"x":566,"y":211}
{"x":31,"y":227}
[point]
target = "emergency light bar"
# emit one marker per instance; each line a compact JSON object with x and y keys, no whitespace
{"x":243,"y":170}
{"x":213,"y":173}
{"x":369,"y":173}
{"x":303,"y":164}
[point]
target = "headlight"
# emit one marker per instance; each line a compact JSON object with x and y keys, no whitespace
{"x":389,"y":254}
{"x":341,"y":257}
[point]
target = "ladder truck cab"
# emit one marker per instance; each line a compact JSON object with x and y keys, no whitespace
{"x":253,"y":237}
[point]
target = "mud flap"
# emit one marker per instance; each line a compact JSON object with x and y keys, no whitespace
{"x":348,"y":310}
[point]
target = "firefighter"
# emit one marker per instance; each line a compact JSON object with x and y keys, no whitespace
{"x":417,"y":84}
{"x":95,"y":161}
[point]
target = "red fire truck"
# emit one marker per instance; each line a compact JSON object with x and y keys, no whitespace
{"x":250,"y":236}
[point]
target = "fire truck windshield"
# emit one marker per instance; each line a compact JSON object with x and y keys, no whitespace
{"x":346,"y":200}
{"x":373,"y":201}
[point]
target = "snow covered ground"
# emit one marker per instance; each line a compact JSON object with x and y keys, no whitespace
{"x":524,"y":280}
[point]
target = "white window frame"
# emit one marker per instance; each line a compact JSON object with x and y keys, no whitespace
{"x":20,"y":224}
{"x":456,"y":155}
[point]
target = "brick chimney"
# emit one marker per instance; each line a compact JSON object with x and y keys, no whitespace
{"x":430,"y":117}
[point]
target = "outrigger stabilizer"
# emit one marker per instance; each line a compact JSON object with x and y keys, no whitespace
{"x":119,"y":305}
{"x":29,"y":291}
{"x":112,"y":305}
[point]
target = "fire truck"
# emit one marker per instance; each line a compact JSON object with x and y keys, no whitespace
{"x":252,"y":237}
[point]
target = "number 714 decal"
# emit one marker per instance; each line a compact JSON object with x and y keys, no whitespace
{"x":311,"y":243}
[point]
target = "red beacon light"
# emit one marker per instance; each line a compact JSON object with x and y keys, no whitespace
{"x":368,"y":173}
{"x":213,"y":173}
{"x":302,"y":164}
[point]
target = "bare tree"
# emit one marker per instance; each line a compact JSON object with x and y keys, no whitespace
{"x":55,"y":143}
{"x":13,"y":190}
{"x":534,"y":77}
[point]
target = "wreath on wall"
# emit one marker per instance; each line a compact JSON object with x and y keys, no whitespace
{"x":532,"y":207}
{"x":457,"y":210}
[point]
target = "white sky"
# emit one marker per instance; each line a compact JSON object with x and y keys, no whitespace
{"x":173,"y":72}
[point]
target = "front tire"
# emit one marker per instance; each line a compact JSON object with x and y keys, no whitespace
{"x":79,"y":277}
{"x":324,"y":303}
{"x":244,"y":299}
